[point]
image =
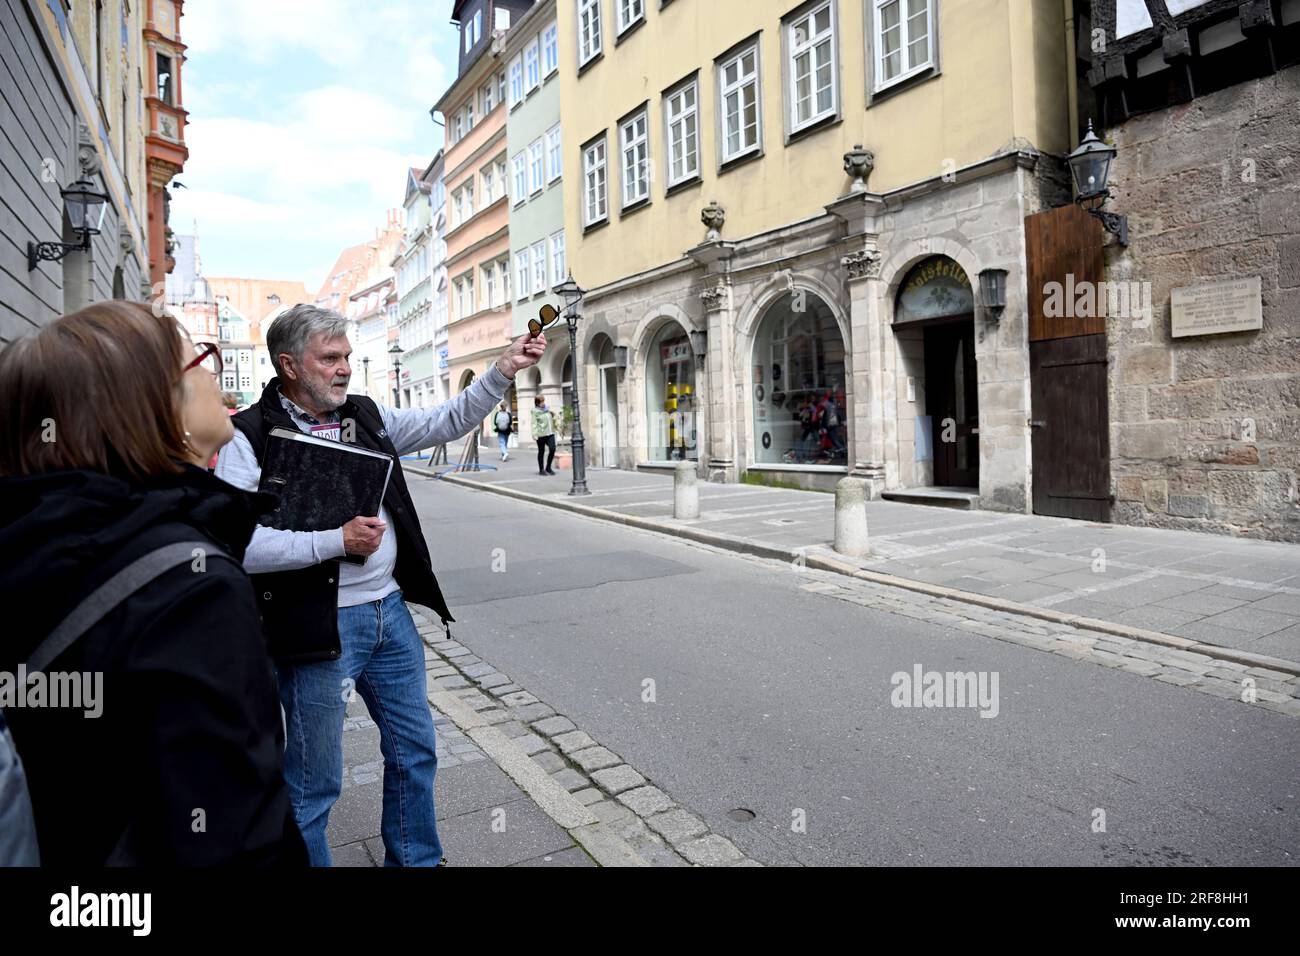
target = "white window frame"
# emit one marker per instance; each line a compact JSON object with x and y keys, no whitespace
{"x":595,"y":181}
{"x":558,"y":263}
{"x":678,"y":120}
{"x":550,"y":49}
{"x":456,"y":128}
{"x":540,"y":267}
{"x":488,"y":94}
{"x":878,"y":82}
{"x":795,"y":49}
{"x":490,"y":284}
{"x":628,"y":13}
{"x":503,"y":268}
{"x":589,"y":35}
{"x":536,"y":167}
{"x":488,"y":175}
{"x":522,"y":275}
{"x":532,"y":66}
{"x":742,"y":81}
{"x":554,"y":154}
{"x":516,"y":81}
{"x":520,"y":163}
{"x":638,"y":145}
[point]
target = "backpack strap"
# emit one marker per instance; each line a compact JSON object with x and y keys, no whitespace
{"x":112,"y":592}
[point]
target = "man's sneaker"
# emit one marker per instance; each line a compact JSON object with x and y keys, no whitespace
{"x":549,"y":472}
{"x":505,"y":457}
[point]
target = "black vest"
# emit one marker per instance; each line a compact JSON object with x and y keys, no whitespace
{"x":299,"y":608}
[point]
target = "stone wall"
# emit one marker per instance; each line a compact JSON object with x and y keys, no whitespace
{"x":1205,"y":431}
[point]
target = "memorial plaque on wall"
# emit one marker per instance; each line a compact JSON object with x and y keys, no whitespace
{"x":1233,"y":305}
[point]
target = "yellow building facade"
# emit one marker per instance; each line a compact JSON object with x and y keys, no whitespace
{"x":781,"y":211}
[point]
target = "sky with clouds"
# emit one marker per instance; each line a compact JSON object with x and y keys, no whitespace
{"x":304,"y":116}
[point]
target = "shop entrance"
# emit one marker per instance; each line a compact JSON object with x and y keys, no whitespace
{"x":952,"y":402}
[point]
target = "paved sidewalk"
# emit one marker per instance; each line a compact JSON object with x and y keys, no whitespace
{"x":517,"y":783}
{"x":1231,"y":593}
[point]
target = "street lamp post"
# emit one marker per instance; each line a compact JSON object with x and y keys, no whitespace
{"x":396,"y":353}
{"x":573,"y":294}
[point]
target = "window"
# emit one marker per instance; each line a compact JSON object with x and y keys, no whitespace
{"x":503,"y":270}
{"x":588,"y":30}
{"x":521,"y":274}
{"x":457,"y":130}
{"x":473,"y":30}
{"x":629,"y":12}
{"x":489,"y":183}
{"x":458,"y":205}
{"x":593,"y":180}
{"x":490,"y":285}
{"x":635,"y":150}
{"x":901,"y":39}
{"x":557,"y":258}
{"x":469,"y":199}
{"x":554,"y":151}
{"x":740,"y":105}
{"x":516,"y":81}
{"x":532,"y":67}
{"x":536,"y":174}
{"x":469,"y":115}
{"x":488,"y":94}
{"x":501,"y":176}
{"x":681,"y":113}
{"x":521,"y":177}
{"x":550,"y":49}
{"x":501,"y":87}
{"x":670,"y":396}
{"x":801,"y":412}
{"x":811,"y":40}
{"x":502,"y":18}
{"x":539,"y":266}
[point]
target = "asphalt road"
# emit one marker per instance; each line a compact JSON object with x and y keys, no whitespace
{"x":777,"y":700}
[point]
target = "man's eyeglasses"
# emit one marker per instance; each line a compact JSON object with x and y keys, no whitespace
{"x":208,"y":356}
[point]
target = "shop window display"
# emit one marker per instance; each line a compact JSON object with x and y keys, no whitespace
{"x":799,"y":399}
{"x":671,"y":406}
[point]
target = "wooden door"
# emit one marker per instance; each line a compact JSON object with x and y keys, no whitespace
{"x":952,"y":402}
{"x":1069,"y":424}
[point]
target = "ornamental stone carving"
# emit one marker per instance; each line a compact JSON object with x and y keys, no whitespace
{"x":859,"y":163}
{"x":863,"y":264}
{"x":87,"y":155}
{"x":714,"y":297}
{"x":713,"y":216}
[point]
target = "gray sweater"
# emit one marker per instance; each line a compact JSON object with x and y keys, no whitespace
{"x":409,"y":429}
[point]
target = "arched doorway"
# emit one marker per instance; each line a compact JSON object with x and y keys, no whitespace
{"x":934,"y":324}
{"x":799,"y":402}
{"x":671,"y":414}
{"x":607,"y":403}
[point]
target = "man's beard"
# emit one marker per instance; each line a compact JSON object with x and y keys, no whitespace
{"x":321,"y":397}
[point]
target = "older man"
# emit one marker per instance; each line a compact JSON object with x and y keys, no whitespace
{"x":333,"y":625}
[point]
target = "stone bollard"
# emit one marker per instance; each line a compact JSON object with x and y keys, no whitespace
{"x":851,"y":496}
{"x":686,"y":493}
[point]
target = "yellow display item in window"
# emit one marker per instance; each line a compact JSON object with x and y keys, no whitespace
{"x":670,"y":404}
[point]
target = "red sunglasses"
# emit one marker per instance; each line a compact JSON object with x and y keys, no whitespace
{"x":209,"y":356}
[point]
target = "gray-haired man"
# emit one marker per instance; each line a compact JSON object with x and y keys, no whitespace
{"x":334,"y":626}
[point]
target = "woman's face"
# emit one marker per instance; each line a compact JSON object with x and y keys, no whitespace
{"x":202,"y":412}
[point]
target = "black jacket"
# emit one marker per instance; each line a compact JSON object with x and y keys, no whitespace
{"x":300,"y":607}
{"x":188,"y":748}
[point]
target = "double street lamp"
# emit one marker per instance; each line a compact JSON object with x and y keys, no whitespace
{"x":572,"y":294}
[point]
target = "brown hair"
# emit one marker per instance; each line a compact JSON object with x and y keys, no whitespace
{"x":98,"y":389}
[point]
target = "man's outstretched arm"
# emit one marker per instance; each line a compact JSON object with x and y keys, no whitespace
{"x":414,"y":428}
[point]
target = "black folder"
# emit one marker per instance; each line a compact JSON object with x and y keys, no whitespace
{"x":322,"y":484}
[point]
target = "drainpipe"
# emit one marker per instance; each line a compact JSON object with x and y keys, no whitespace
{"x":1071,"y":74}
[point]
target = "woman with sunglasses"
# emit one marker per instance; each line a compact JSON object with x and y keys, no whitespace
{"x":108,"y":418}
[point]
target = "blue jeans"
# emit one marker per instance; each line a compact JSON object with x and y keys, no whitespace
{"x":383,"y":659}
{"x":502,"y":438}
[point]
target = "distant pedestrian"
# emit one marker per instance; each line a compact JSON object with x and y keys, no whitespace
{"x":502,"y":422}
{"x":544,"y":432}
{"x":107,"y":417}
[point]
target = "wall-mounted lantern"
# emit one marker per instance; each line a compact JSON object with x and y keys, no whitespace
{"x":1090,"y":166}
{"x":993,"y":292}
{"x":84,"y":206}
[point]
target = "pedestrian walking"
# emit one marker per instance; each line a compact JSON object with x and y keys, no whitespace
{"x":335,"y":625}
{"x":108,"y":418}
{"x":544,"y":432}
{"x":502,"y":422}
